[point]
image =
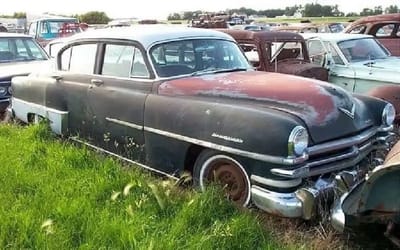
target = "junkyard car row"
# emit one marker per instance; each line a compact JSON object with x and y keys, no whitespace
{"x":19,"y":55}
{"x":176,"y":99}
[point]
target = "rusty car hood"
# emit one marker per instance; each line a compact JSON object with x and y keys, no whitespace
{"x":20,"y":68}
{"x":302,"y":68}
{"x":321,"y":106}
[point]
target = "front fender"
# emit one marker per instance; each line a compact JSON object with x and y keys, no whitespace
{"x":236,"y":124}
{"x":373,"y":200}
{"x":389,"y":93}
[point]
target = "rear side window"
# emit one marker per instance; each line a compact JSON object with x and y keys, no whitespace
{"x":124,"y":61}
{"x":79,"y":59}
{"x":387,"y":30}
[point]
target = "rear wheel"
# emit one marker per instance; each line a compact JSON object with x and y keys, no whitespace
{"x":212,"y":166}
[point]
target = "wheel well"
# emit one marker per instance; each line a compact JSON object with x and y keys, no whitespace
{"x":31,"y":118}
{"x":191,"y":156}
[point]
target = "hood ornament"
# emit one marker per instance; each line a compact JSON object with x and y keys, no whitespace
{"x":349,"y":113}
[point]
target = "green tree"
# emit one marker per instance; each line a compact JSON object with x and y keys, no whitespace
{"x":367,"y":12}
{"x":289,"y":11}
{"x":19,"y":15}
{"x":94,"y":17}
{"x":174,"y":16}
{"x":378,"y":10}
{"x":392,"y":9}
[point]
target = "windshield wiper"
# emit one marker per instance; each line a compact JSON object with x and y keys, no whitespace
{"x":215,"y":71}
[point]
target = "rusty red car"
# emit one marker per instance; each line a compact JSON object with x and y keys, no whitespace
{"x":385,"y":27}
{"x":282,"y":52}
{"x":176,"y":99}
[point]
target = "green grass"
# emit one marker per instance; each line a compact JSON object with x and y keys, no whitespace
{"x":54,"y":195}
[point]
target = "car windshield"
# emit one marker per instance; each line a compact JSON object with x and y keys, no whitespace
{"x":364,"y":49}
{"x":336,"y":27}
{"x":197,"y":56}
{"x":63,"y":26}
{"x":17,"y":49}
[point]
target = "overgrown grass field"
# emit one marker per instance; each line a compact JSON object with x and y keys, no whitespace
{"x":54,"y":195}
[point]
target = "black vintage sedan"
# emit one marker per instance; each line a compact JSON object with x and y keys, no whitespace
{"x":176,"y":99}
{"x":19,"y":55}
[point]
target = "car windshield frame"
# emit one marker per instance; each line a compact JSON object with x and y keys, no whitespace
{"x":20,"y":49}
{"x":362,"y":49}
{"x":197,"y":56}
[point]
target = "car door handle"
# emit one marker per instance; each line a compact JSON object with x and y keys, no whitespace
{"x":56,"y":77}
{"x":96,"y":82}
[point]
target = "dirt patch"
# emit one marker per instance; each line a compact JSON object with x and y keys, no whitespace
{"x":321,"y":235}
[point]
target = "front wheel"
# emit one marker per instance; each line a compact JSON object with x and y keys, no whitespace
{"x":212,"y":166}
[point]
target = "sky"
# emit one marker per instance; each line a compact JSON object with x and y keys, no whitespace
{"x":159,"y":9}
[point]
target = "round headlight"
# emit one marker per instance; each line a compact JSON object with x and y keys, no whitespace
{"x":298,"y":141}
{"x":10,"y":90}
{"x":3,"y":91}
{"x":388,"y":114}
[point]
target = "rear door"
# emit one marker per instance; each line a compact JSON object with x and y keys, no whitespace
{"x":116,"y":96}
{"x":75,"y":72}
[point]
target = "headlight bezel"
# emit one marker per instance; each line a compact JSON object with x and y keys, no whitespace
{"x":388,"y":114}
{"x":3,"y":91}
{"x":298,"y":141}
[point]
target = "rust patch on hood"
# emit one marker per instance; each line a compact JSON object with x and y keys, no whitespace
{"x":317,"y":100}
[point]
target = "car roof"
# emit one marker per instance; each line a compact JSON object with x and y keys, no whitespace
{"x":336,"y":37}
{"x":150,"y":34}
{"x":55,"y":19}
{"x":9,"y":35}
{"x":262,"y":35}
{"x":395,"y":17}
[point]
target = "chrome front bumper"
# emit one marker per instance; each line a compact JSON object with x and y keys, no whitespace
{"x":302,"y":202}
{"x":299,"y":204}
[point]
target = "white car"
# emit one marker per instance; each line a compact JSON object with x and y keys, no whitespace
{"x":356,"y":62}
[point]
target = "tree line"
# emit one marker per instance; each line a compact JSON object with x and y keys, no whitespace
{"x":91,"y":17}
{"x":308,"y":10}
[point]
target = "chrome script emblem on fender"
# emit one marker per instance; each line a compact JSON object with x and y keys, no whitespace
{"x":349,"y":113}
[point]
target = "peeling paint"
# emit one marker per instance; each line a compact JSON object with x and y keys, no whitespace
{"x":318,"y":101}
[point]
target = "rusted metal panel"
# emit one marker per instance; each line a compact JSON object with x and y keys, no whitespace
{"x":375,"y":19}
{"x":290,"y":63}
{"x":372,"y":24}
{"x":315,"y":102}
{"x":390,"y":93}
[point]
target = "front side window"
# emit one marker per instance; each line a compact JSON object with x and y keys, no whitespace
{"x":124,"y":61}
{"x":197,"y":56}
{"x":335,"y":55}
{"x":79,"y":59}
{"x":358,"y":30}
{"x":316,"y":51}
